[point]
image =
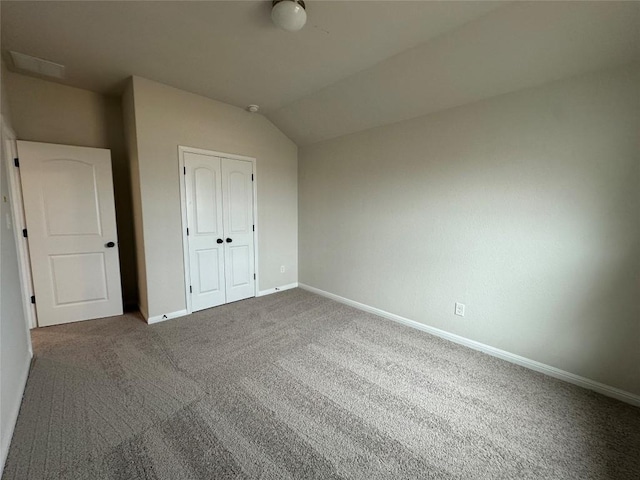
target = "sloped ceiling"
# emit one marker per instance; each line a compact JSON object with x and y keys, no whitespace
{"x":355,"y":65}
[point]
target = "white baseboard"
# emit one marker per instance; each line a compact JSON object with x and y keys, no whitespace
{"x":13,"y":415}
{"x":587,"y":383}
{"x":166,"y":316}
{"x":182,"y":313}
{"x":269,"y":291}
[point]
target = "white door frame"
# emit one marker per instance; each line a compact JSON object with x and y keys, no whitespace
{"x":19,"y":224}
{"x":183,"y":209}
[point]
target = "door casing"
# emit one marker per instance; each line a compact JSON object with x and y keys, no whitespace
{"x":19,"y":223}
{"x":183,"y":210}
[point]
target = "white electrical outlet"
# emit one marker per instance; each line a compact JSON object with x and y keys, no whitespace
{"x":459,"y":309}
{"x":282,"y":269}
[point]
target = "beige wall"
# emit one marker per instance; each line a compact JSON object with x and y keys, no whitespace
{"x":131,"y":147}
{"x":44,"y":111}
{"x":524,"y":207}
{"x":165,"y":118}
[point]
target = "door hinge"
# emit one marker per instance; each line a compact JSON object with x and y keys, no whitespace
{"x":254,"y":228}
{"x":254,"y":276}
{"x":33,"y":299}
{"x":252,"y":177}
{"x":190,"y":289}
{"x":16,"y":162}
{"x":24,"y":233}
{"x":184,"y":170}
{"x":187,"y":231}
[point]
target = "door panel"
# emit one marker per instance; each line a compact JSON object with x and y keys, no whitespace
{"x":70,"y":198}
{"x":208,"y":268}
{"x":204,"y":219}
{"x":237,"y":198}
{"x":70,"y":216}
{"x":206,"y":187}
{"x":240,"y":269}
{"x":66,"y":269}
{"x":237,"y":201}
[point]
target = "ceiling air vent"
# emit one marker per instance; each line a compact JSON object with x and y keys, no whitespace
{"x":37,"y":65}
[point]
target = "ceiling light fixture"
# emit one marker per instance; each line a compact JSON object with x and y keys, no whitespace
{"x":289,"y":15}
{"x":253,"y":108}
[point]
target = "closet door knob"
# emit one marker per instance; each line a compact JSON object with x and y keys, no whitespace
{"x":219,"y":240}
{"x":229,"y":240}
{"x":110,"y":245}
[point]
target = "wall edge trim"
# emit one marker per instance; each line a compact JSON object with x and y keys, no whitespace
{"x":144,"y":313}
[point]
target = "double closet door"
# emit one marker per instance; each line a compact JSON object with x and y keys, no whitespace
{"x":220,"y":229}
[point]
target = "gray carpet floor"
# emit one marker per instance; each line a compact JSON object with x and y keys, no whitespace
{"x":296,"y":386}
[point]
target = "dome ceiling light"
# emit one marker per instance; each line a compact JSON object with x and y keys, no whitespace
{"x":289,"y":15}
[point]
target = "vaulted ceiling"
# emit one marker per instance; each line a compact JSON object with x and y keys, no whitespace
{"x":355,"y":65}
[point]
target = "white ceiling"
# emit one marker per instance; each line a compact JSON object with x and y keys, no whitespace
{"x":355,"y":65}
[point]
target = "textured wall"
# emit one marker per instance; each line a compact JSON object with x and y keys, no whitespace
{"x":524,"y":207}
{"x":165,"y":118}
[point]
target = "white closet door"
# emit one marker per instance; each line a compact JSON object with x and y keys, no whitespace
{"x":237,"y":203}
{"x":71,"y":224}
{"x":205,"y":237}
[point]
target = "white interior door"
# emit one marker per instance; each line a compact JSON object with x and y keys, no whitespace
{"x":237,"y":204}
{"x":71,"y":224}
{"x":219,"y":230}
{"x":205,"y":236}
